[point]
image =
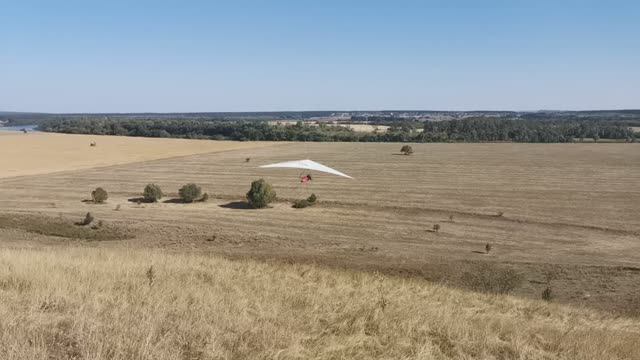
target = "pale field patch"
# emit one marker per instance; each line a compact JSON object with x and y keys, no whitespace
{"x":40,"y":153}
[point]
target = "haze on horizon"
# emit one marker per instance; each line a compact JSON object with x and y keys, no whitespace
{"x":202,"y":56}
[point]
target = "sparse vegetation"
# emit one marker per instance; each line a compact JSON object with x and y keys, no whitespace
{"x":406,"y":150}
{"x":310,"y":201}
{"x":491,"y":278}
{"x":62,"y":227}
{"x":547,"y":295}
{"x":312,"y":198}
{"x":205,"y":197}
{"x":261,"y":194}
{"x":152,"y":193}
{"x":190,"y":192}
{"x":88,"y":219}
{"x":99,"y":195}
{"x":151,"y":275}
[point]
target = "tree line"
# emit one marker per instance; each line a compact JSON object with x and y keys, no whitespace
{"x":481,"y":129}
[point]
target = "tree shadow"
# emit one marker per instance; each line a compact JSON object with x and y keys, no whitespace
{"x":237,"y":205}
{"x":176,"y":201}
{"x":139,"y":200}
{"x":479,"y":252}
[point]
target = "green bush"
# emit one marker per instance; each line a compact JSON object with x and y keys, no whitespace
{"x":312,"y":199}
{"x":406,"y":149}
{"x":152,"y":193}
{"x":190,"y":192}
{"x":99,"y":195}
{"x":260,"y":194}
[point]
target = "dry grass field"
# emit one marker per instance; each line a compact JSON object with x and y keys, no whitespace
{"x":558,"y":216}
{"x":72,"y":303}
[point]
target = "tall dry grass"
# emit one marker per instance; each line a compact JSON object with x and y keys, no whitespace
{"x":86,"y":303}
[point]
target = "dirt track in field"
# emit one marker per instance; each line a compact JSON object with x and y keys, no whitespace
{"x":570,"y":211}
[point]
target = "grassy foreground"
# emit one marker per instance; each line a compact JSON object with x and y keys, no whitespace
{"x":81,"y":303}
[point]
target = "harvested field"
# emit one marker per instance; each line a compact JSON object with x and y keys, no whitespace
{"x":568,"y":212}
{"x":40,"y":153}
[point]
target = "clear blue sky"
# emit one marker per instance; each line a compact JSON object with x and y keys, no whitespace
{"x":187,"y":56}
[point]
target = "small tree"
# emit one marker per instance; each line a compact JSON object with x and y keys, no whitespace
{"x":312,"y":199}
{"x":487,"y":248}
{"x":152,"y":193}
{"x":260,"y":194}
{"x":547,"y":295}
{"x":99,"y":195}
{"x":190,"y":192}
{"x":406,"y":150}
{"x":88,"y":219}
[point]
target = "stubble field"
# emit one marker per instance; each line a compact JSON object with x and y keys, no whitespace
{"x":560,"y":216}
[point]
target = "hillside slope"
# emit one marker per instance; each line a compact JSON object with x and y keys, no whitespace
{"x":87,"y":303}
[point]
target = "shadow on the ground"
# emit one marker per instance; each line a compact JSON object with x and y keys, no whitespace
{"x":237,"y":205}
{"x":175,"y":201}
{"x":139,"y":200}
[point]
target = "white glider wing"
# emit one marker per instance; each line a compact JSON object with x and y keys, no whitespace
{"x":308,"y":165}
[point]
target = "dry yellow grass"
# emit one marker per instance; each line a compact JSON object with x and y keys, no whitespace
{"x":71,"y":303}
{"x":40,"y":153}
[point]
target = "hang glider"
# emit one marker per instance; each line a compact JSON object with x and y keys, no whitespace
{"x":308,"y":165}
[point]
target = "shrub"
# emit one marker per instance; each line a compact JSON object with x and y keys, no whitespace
{"x":99,"y":195}
{"x":487,"y":248}
{"x":190,"y":192}
{"x":451,"y":218}
{"x":88,"y":219}
{"x":205,"y":197}
{"x":310,"y":201}
{"x":547,"y":295}
{"x":260,"y":194}
{"x":436,"y":227}
{"x":151,"y":275}
{"x":406,"y":150}
{"x":152,"y":193}
{"x":300,"y":204}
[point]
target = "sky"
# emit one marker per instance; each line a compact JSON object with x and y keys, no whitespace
{"x":197,"y":56}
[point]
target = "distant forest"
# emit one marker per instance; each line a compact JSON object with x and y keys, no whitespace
{"x":476,"y":129}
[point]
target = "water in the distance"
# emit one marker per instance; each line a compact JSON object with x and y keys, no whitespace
{"x":29,"y":128}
